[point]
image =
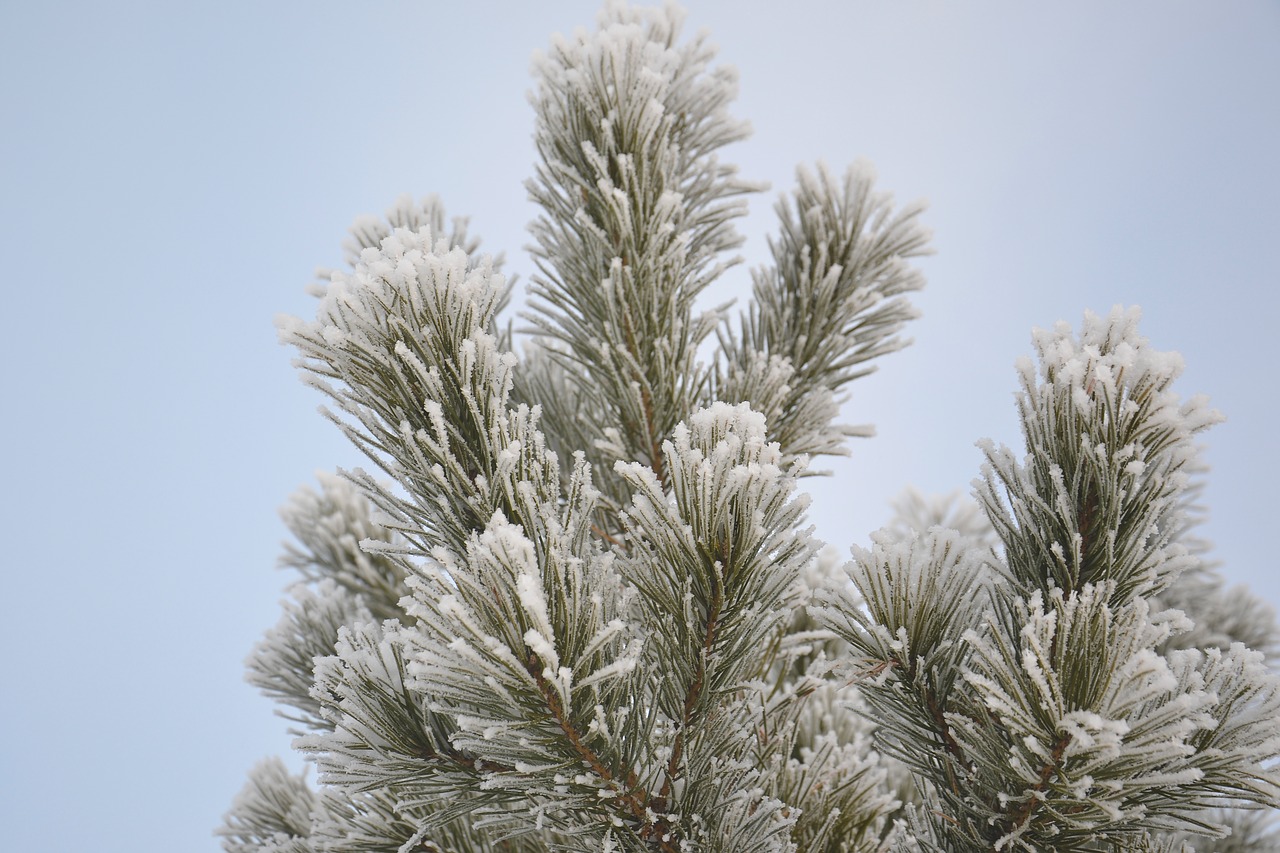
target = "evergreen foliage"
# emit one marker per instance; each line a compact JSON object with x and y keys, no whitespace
{"x":577,"y":607}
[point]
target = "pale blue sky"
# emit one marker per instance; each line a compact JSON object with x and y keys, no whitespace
{"x":171,"y":173}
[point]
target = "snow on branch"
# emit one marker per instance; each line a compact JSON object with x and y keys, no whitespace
{"x":402,"y":346}
{"x":1098,"y":497}
{"x":833,"y":301}
{"x":636,"y":213}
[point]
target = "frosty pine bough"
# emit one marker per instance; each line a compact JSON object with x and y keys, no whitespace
{"x":578,"y":608}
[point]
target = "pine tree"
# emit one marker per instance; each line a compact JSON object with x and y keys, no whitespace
{"x":577,"y":609}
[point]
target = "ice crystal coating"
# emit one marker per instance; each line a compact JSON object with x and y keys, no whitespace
{"x":578,"y":610}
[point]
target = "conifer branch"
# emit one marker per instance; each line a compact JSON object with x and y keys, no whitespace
{"x":639,"y":804}
{"x":696,"y":685}
{"x":583,"y":614}
{"x":956,"y":755}
{"x":1021,"y":817}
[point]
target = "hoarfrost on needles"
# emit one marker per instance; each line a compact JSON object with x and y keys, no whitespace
{"x":584,"y":612}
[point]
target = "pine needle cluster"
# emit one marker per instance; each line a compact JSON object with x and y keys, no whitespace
{"x":574,"y":605}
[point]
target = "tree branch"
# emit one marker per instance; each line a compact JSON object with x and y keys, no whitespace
{"x":1022,"y":817}
{"x":637,"y":800}
{"x":955,"y":753}
{"x":694,"y":693}
{"x":646,"y":399}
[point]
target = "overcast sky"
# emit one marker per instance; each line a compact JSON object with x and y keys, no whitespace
{"x":171,"y":173}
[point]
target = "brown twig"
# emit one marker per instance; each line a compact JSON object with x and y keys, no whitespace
{"x":694,"y":692}
{"x":646,"y":401}
{"x":872,"y":672}
{"x":603,"y":534}
{"x":1027,"y":810}
{"x":635,"y":799}
{"x":955,"y":753}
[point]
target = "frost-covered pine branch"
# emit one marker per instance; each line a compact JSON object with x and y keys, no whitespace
{"x":832,"y":301}
{"x":637,"y":212}
{"x":576,"y":606}
{"x":1036,"y":695}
